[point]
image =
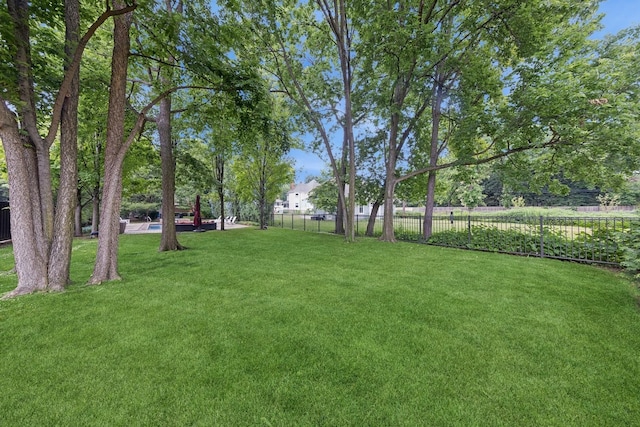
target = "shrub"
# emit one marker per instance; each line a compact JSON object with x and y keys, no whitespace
{"x":600,"y":245}
{"x":629,"y":242}
{"x":407,"y":235}
{"x":457,"y":239}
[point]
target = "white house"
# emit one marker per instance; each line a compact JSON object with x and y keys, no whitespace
{"x":278,"y":206}
{"x":298,"y":201}
{"x":298,"y":197}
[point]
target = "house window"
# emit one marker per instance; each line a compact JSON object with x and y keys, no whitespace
{"x":361,"y":209}
{"x":297,"y":206}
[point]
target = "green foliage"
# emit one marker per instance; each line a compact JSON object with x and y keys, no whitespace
{"x":630,"y":192}
{"x":534,"y":213}
{"x":629,"y":241}
{"x":470,"y":195}
{"x":46,"y":26}
{"x":141,"y":169}
{"x":608,"y":200}
{"x":405,"y":234}
{"x":325,"y":196}
{"x":453,"y":238}
{"x":598,"y":245}
{"x":139,"y":210}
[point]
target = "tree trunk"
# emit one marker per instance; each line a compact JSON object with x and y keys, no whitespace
{"x":434,"y":152}
{"x":60,"y":260}
{"x":388,"y":234}
{"x":262,"y":197}
{"x":262,"y":189}
{"x":41,"y":258}
{"x":343,"y":38}
{"x":427,"y":222}
{"x":106,"y":266}
{"x":30,"y":265}
{"x":341,"y":209}
{"x":28,"y":167}
{"x":95,"y":210}
{"x":219,"y":186}
{"x":37,"y":160}
{"x":169,"y":238}
{"x":340,"y":212}
{"x":372,"y":218}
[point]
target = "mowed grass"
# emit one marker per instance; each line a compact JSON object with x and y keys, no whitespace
{"x":285,"y":328}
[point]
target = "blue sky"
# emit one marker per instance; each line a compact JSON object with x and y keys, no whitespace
{"x":619,"y":14}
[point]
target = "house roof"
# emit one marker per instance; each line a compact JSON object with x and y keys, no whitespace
{"x":304,"y":187}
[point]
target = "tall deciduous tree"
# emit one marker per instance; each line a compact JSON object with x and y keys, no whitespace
{"x":156,"y":50}
{"x":25,"y":107}
{"x":213,"y":130}
{"x":399,"y":64}
{"x":311,"y":56}
{"x":67,"y":190}
{"x":118,"y":141}
{"x":106,"y":266}
{"x":425,"y":48}
{"x":260,"y":167}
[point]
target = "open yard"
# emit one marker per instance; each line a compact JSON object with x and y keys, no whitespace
{"x":285,"y":328}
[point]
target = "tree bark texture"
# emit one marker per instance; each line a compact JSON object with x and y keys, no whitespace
{"x":220,"y":187}
{"x":30,"y":261}
{"x":436,"y":114}
{"x":341,"y":209}
{"x":106,"y":266}
{"x":338,"y":23}
{"x":60,"y":260}
{"x":344,"y":53}
{"x":262,"y":199}
{"x":372,"y":218}
{"x":169,"y":238}
{"x":41,"y":252}
{"x":388,"y":233}
{"x":27,"y":157}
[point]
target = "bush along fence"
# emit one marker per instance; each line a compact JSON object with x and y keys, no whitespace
{"x":592,"y":240}
{"x":5,"y":222}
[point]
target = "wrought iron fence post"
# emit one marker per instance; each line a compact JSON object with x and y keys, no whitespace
{"x":541,"y":236}
{"x":5,"y":221}
{"x":469,"y":227}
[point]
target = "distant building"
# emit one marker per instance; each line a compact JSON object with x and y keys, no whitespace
{"x":279,"y":206}
{"x":298,"y":197}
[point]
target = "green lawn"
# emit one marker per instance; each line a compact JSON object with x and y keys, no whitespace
{"x":284,"y":328}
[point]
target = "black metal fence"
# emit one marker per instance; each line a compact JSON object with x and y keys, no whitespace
{"x":592,"y":240}
{"x":5,"y":222}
